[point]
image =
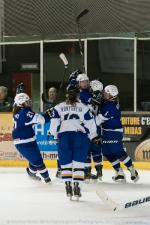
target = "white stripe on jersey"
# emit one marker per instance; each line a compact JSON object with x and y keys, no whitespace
{"x":118,"y":130}
{"x":24,"y":141}
{"x":37,"y":118}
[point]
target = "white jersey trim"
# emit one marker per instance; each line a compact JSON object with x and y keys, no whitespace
{"x":119,"y":130}
{"x":19,"y":141}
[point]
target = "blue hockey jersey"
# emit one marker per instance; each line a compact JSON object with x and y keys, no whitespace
{"x":110,"y":117}
{"x":85,"y":96}
{"x":24,"y":120}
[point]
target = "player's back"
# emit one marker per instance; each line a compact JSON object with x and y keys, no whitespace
{"x":72,"y":116}
{"x":23,"y":124}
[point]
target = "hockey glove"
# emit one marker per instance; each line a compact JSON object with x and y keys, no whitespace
{"x":20,"y":88}
{"x":97,"y":140}
{"x":50,"y":112}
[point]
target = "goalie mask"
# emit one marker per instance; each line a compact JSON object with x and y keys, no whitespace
{"x":22,"y":100}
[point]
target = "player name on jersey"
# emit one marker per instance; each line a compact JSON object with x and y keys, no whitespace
{"x":71,"y":108}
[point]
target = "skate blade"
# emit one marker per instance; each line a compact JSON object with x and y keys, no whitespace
{"x":120,"y":181}
{"x":91,"y":181}
{"x":46,"y":183}
{"x":100,"y":178}
{"x":74,"y":198}
{"x":87,"y":181}
{"x":136,"y":179}
{"x":34,"y":178}
{"x":77,"y":198}
{"x":70,"y":197}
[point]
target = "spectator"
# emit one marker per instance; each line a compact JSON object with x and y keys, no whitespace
{"x":6,"y":103}
{"x":49,"y":102}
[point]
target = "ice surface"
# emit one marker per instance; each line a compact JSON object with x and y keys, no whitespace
{"x":24,"y":201}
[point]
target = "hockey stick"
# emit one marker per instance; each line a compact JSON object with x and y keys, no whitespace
{"x":107,"y":200}
{"x":126,"y":205}
{"x":65,"y":62}
{"x":83,"y":13}
{"x":135,"y":202}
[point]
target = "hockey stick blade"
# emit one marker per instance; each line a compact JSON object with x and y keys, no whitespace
{"x":136,"y":202}
{"x":107,"y":200}
{"x":117,"y":207}
{"x":64,"y":59}
{"x":84,"y":12}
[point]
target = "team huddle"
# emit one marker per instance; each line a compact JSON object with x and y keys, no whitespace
{"x":87,"y":125}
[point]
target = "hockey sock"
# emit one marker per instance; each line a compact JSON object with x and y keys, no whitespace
{"x":126,"y":160}
{"x":43,"y":170}
{"x":66,"y":172}
{"x":116,"y":165}
{"x":78,"y":174}
{"x":97,"y":158}
{"x":32,"y":169}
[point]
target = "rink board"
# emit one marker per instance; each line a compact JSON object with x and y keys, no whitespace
{"x":53,"y":164}
{"x":136,"y":140}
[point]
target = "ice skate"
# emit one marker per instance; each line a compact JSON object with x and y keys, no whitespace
{"x":32,"y":175}
{"x":99,"y":171}
{"x":69,"y":191}
{"x":58,"y":173}
{"x":93,"y":177}
{"x":134,"y":174}
{"x":47,"y":179}
{"x":87,"y":174}
{"x":120,"y":176}
{"x":76,"y":191}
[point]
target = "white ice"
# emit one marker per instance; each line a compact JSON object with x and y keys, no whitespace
{"x":24,"y":201}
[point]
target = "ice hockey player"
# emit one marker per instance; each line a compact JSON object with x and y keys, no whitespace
{"x":24,"y":137}
{"x":112,"y":134}
{"x":95,"y":147}
{"x":87,"y":97}
{"x":69,"y":125}
{"x":84,"y":86}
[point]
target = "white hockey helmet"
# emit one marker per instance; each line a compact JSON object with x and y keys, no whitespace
{"x":112,"y":90}
{"x":21,"y":98}
{"x":82,"y":77}
{"x":96,"y":85}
